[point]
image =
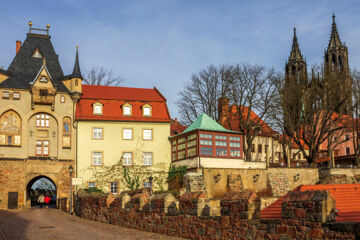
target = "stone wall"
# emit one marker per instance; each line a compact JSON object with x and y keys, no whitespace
{"x":15,"y":176}
{"x":306,"y":215}
{"x":218,"y":182}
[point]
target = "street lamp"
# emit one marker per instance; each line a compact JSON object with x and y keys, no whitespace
{"x":71,"y":169}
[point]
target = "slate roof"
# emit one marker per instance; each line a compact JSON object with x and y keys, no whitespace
{"x":24,"y":67}
{"x":113,"y":98}
{"x":204,"y":122}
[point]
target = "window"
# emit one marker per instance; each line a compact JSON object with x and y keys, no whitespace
{"x":127,"y":159}
{"x":76,"y":82}
{"x":5,"y":94}
{"x":127,"y":109}
{"x":221,"y":143}
{"x":16,"y":96}
{"x":222,"y":152}
{"x":193,"y":136}
{"x":259,"y":148}
{"x":42,"y":120}
{"x":191,"y":143}
{"x":347,"y":151}
{"x":220,"y":137}
{"x":62,"y":98}
{"x":114,"y":187}
{"x":235,"y":144}
{"x":266,"y":148}
{"x":294,"y":155}
{"x":253,"y":148}
{"x":347,"y":137}
{"x":43,"y":79}
{"x":191,"y":152}
{"x":92,"y":185}
{"x":97,"y":158}
{"x":147,"y":158}
{"x":206,"y":151}
{"x":147,"y":134}
{"x":97,"y":133}
{"x":98,"y":108}
{"x":234,"y":139}
{"x":203,"y":135}
{"x":43,"y":92}
{"x":206,"y":142}
{"x":127,"y":134}
{"x":235,"y":153}
{"x":147,"y":111}
{"x":181,"y":154}
{"x":42,"y":147}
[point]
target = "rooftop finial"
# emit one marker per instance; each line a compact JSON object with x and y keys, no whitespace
{"x":333,"y":17}
{"x":44,"y":61}
{"x":30,"y":23}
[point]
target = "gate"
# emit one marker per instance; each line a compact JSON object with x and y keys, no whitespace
{"x":12,"y":200}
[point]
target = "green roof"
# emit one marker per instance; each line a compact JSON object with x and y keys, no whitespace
{"x":204,"y":122}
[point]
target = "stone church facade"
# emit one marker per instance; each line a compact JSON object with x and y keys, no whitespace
{"x":37,"y":111}
{"x":335,"y":71}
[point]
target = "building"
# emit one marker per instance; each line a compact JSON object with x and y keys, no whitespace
{"x":122,"y":138}
{"x":207,"y":144}
{"x":37,"y":135}
{"x":336,"y":75}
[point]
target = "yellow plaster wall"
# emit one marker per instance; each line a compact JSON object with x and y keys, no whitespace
{"x":113,"y":145}
{"x":24,"y":109}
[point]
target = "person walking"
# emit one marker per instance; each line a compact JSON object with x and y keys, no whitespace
{"x":41,"y":200}
{"x":47,"y":200}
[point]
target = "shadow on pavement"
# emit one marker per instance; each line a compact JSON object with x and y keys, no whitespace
{"x":11,"y":225}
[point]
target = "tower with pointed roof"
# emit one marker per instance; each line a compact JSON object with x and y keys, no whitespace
{"x":336,"y":69}
{"x":295,"y":80}
{"x":73,"y":82}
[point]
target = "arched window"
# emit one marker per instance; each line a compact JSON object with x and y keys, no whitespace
{"x":66,"y":132}
{"x":42,"y":120}
{"x":147,"y":110}
{"x":97,"y":108}
{"x":10,"y":128}
{"x":127,"y":109}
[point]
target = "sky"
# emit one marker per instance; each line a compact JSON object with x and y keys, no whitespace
{"x":163,"y":42}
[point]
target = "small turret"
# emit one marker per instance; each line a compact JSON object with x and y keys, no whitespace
{"x":74,"y":81}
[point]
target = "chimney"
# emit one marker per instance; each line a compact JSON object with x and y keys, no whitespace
{"x":18,"y":46}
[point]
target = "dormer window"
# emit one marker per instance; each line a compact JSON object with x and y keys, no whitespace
{"x":146,"y":110}
{"x":97,"y":109}
{"x":37,"y":54}
{"x":43,"y":79}
{"x":62,"y":98}
{"x":5,"y":94}
{"x":127,"y":111}
{"x":43,"y":92}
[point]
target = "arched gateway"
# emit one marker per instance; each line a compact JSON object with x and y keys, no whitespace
{"x":37,"y":132}
{"x":37,"y":186}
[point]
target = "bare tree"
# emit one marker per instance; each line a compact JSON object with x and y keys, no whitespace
{"x":355,"y":126}
{"x":44,"y":183}
{"x":318,"y":123}
{"x":101,"y":76}
{"x":202,"y":92}
{"x":252,"y":90}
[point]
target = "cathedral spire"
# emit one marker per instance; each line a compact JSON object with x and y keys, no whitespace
{"x":334,"y":37}
{"x":295,"y":50}
{"x":76,"y":72}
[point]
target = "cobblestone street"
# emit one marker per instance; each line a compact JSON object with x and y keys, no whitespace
{"x":49,"y":223}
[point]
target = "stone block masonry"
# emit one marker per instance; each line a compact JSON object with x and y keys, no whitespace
{"x":306,"y":216}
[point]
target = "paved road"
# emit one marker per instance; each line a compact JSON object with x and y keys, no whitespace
{"x":37,"y":223}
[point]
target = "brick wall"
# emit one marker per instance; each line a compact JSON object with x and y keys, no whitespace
{"x":305,"y":216}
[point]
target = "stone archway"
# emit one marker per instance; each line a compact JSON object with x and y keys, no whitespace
{"x":32,"y":194}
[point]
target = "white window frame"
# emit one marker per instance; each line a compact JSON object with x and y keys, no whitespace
{"x":42,"y":147}
{"x":42,"y":120}
{"x":114,"y":187}
{"x":127,"y":134}
{"x":97,"y":109}
{"x":127,"y":159}
{"x":127,"y":110}
{"x":97,"y":133}
{"x":146,"y":134}
{"x":97,"y":158}
{"x":147,"y":111}
{"x":92,"y":184}
{"x":16,"y":95}
{"x":62,"y":98}
{"x":6,"y":94}
{"x":147,"y":158}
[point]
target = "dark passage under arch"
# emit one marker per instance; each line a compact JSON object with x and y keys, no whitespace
{"x":41,"y":185}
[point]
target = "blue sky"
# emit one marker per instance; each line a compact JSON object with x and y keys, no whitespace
{"x":161,"y":43}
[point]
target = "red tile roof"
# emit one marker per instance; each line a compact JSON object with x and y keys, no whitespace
{"x":347,"y":201}
{"x":113,"y":98}
{"x":176,"y":127}
{"x":234,"y":123}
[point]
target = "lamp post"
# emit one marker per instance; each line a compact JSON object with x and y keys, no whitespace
{"x":71,"y":169}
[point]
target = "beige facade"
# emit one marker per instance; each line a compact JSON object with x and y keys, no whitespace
{"x":112,"y":147}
